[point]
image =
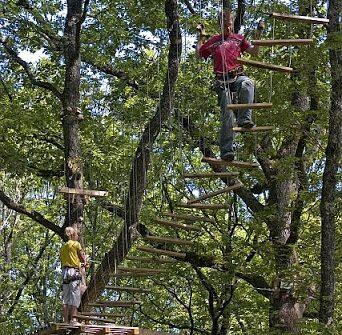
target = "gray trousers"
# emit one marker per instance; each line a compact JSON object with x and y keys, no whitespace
{"x":245,"y":91}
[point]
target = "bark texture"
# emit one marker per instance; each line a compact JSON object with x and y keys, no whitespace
{"x":333,"y":157}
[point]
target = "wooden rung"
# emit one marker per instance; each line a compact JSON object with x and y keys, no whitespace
{"x":244,"y":165}
{"x":253,"y":129}
{"x":213,"y":194}
{"x":92,"y":318}
{"x":305,"y":19}
{"x":104,"y":315}
{"x":211,"y":175}
{"x":188,"y":217}
{"x":293,"y":41}
{"x":140,"y":270}
{"x":119,"y":303}
{"x":127,"y":289}
{"x":162,"y":239}
{"x":257,"y":105}
{"x":162,"y":252}
{"x":245,"y":61}
{"x":205,"y":206}
{"x":149,"y":259}
{"x":79,"y":191}
{"x":177,"y":225}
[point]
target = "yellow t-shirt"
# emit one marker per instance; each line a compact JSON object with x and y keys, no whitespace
{"x":68,"y":254}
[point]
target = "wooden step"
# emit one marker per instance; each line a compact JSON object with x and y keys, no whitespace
{"x":177,"y":225}
{"x":92,"y":318}
{"x":283,"y":42}
{"x":253,"y":129}
{"x":187,"y":217}
{"x":118,"y":303}
{"x":256,"y":105}
{"x":162,"y":252}
{"x":211,"y":175}
{"x":140,"y":270}
{"x":65,"y":328}
{"x":79,"y":191}
{"x":149,"y":259}
{"x":215,"y":193}
{"x":127,"y":289}
{"x":245,"y":165}
{"x":104,"y":315}
{"x":205,"y":206}
{"x":245,"y":61}
{"x":162,"y":239}
{"x":304,"y":19}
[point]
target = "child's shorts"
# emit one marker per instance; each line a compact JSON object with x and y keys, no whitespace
{"x":72,"y":290}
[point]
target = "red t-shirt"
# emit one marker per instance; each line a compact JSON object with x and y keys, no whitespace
{"x":224,"y":52}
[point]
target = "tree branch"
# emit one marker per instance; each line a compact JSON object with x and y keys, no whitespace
{"x":31,"y":214}
{"x":258,"y":282}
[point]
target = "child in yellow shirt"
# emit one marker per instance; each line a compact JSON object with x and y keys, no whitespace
{"x":71,"y":255}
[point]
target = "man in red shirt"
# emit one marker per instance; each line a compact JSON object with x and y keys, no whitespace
{"x":225,"y":48}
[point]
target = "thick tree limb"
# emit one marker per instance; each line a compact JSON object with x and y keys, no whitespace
{"x":35,"y":82}
{"x":258,"y":282}
{"x":37,"y":217}
{"x":141,"y":160}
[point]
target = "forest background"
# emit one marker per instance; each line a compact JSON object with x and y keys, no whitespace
{"x":117,"y":100}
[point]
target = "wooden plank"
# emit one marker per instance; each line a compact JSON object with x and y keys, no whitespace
{"x":92,"y":318}
{"x":283,"y":42}
{"x":140,"y":270}
{"x":79,"y":191}
{"x":256,"y":105}
{"x":211,"y":175}
{"x":162,"y":252}
{"x":244,"y":165}
{"x":253,"y":129}
{"x":177,"y":225}
{"x":187,"y":217}
{"x":104,"y":315}
{"x":215,"y":193}
{"x":150,"y":259}
{"x":127,"y":289}
{"x":304,"y":19}
{"x":163,"y":239}
{"x":261,"y":65}
{"x":205,"y":206}
{"x":118,"y":303}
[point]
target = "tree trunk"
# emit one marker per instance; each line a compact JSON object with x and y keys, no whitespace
{"x":333,"y":156}
{"x":70,"y":114}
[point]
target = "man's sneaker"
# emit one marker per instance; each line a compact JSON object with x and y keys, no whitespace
{"x":246,"y":124}
{"x":228,"y":157}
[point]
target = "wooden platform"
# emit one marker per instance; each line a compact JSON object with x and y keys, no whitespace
{"x":187,"y":217}
{"x":215,"y":193}
{"x":268,"y":66}
{"x":95,"y":329}
{"x":169,"y":253}
{"x":283,"y":42}
{"x":303,"y":19}
{"x":177,"y":225}
{"x":244,"y":165}
{"x":253,"y":129}
{"x":79,"y":191}
{"x":169,"y":240}
{"x":257,"y":105}
{"x":213,"y":175}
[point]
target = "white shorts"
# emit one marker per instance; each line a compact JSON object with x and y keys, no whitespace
{"x":72,"y":290}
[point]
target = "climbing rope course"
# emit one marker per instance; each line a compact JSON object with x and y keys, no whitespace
{"x":171,"y":237}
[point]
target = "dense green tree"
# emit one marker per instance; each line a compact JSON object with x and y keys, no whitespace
{"x":116,"y":99}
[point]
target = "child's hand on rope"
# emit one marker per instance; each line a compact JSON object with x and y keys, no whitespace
{"x":201,"y":30}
